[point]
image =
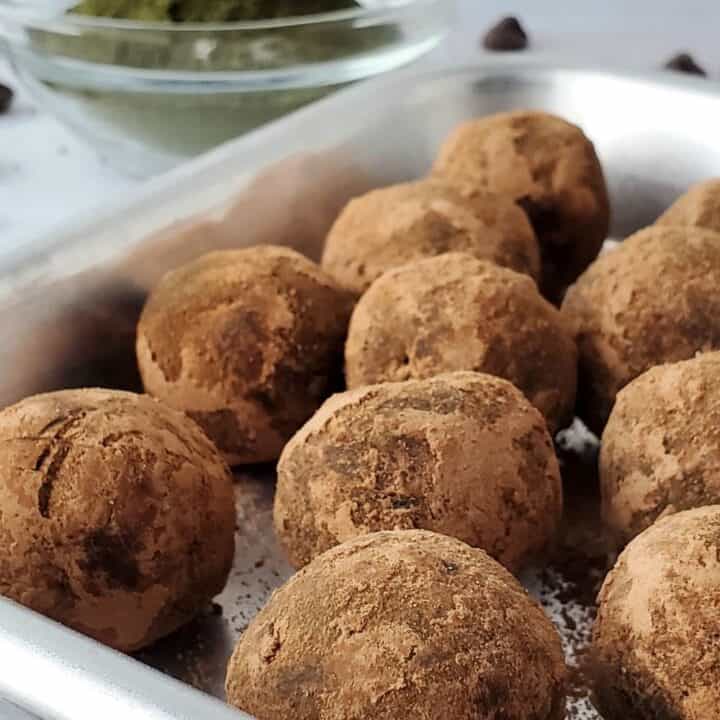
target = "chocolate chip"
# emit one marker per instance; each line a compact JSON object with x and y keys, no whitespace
{"x":6,"y":98}
{"x":684,"y":62}
{"x":507,"y":35}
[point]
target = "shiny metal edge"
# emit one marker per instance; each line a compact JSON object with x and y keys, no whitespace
{"x":57,"y":674}
{"x":13,"y":712}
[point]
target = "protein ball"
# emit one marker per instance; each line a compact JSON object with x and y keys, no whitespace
{"x":655,"y":641}
{"x":660,"y":450}
{"x":549,"y":167}
{"x":390,"y":227}
{"x":462,"y":454}
{"x":698,"y":207}
{"x":455,"y":312}
{"x":404,"y":624}
{"x":652,"y":300}
{"x":117,"y":514}
{"x":248,"y":343}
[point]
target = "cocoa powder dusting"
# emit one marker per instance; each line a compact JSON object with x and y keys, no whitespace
{"x":568,"y":586}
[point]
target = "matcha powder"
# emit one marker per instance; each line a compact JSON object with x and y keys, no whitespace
{"x":204,"y":11}
{"x":177,"y":120}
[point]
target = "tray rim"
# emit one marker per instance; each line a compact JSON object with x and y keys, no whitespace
{"x":40,"y":249}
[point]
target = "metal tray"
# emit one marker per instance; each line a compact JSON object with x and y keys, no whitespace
{"x":68,"y":308}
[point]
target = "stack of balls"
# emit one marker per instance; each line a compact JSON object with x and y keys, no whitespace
{"x":409,"y":388}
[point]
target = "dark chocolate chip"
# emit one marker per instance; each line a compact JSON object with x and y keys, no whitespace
{"x":6,"y":98}
{"x":507,"y":35}
{"x":684,"y":62}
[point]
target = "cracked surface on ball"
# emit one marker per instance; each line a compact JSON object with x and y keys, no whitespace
{"x":394,"y":225}
{"x":656,"y":644}
{"x":650,"y":301}
{"x":248,"y":343}
{"x":398,"y":625}
{"x":549,"y":167}
{"x":117,"y":514}
{"x":463,"y":454}
{"x":455,"y":312}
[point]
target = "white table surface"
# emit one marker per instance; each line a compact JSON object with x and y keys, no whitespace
{"x":48,"y":176}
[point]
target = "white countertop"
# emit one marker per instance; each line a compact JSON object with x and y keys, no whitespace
{"x":48,"y":176}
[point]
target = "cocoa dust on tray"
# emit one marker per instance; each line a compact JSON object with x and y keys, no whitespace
{"x":580,"y":563}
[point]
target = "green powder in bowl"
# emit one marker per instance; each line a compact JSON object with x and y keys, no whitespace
{"x":154,"y":81}
{"x":209,"y":12}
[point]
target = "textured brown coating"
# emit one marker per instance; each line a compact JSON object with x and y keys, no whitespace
{"x":656,"y":638}
{"x":248,"y":343}
{"x":396,"y":625}
{"x":698,"y":207}
{"x":454,"y":312}
{"x":660,"y":451}
{"x":550,"y":169}
{"x":117,"y":514}
{"x":462,"y":454}
{"x":652,"y":300}
{"x":390,"y":227}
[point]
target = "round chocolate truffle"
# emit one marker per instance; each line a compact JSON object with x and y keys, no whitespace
{"x":656,"y":638}
{"x":549,"y":167}
{"x":395,"y":225}
{"x":462,"y":454}
{"x":404,"y":624}
{"x":660,"y":451}
{"x":455,"y":312}
{"x":248,"y":343}
{"x":698,"y":207}
{"x":650,"y":301}
{"x":117,"y":514}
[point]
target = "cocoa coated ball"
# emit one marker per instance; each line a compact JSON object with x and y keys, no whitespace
{"x":248,"y":343}
{"x":549,"y":167}
{"x":660,"y":451}
{"x":656,"y":644}
{"x":462,"y":454}
{"x":394,"y":225}
{"x":652,"y":300}
{"x":404,"y":624}
{"x":455,"y":312}
{"x":698,"y":207}
{"x":117,"y":514}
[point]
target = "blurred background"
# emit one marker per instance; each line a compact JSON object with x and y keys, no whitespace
{"x":49,"y":174}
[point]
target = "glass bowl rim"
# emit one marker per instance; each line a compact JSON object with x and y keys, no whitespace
{"x":18,"y":11}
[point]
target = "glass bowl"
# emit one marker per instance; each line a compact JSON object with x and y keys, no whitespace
{"x":150,"y":94}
